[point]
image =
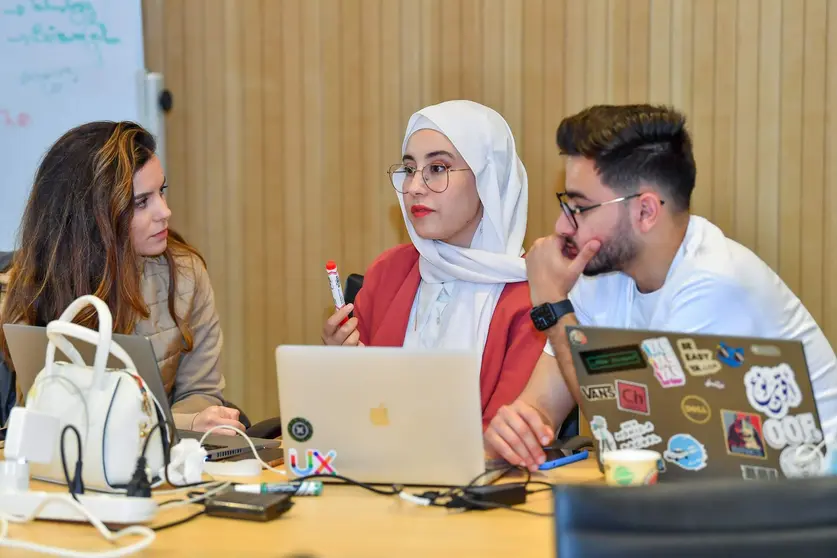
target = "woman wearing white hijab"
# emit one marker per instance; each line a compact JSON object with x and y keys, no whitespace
{"x":462,"y":282}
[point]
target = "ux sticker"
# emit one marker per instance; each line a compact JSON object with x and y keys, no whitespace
{"x":686,"y":452}
{"x":772,"y":390}
{"x":743,"y":434}
{"x":699,"y":362}
{"x":666,"y":367}
{"x":731,"y":356}
{"x":632,"y":397}
{"x":316,"y":463}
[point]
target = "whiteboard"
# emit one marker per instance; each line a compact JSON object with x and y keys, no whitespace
{"x":62,"y":63}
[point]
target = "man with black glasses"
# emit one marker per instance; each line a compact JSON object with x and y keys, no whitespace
{"x":626,"y":253}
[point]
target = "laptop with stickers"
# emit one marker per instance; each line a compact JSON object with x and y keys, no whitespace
{"x":712,"y":406}
{"x":381,"y":414}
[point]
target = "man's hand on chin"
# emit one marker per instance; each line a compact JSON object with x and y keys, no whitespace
{"x":553,"y":266}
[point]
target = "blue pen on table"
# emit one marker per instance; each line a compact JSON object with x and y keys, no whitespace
{"x":561,"y":461}
{"x":304,"y":488}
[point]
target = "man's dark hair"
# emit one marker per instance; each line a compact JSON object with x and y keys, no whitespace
{"x":630,"y":144}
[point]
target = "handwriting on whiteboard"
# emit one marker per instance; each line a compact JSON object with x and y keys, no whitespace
{"x":15,"y":120}
{"x":39,"y":33}
{"x":77,"y":8}
{"x":58,"y":22}
{"x":47,"y":24}
{"x":50,"y":82}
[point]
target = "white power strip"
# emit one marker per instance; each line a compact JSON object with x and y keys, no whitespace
{"x":108,"y":509}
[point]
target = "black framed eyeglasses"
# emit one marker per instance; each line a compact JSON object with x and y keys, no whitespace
{"x":571,"y":211}
{"x":436,"y":176}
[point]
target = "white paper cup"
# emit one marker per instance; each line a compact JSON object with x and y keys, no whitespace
{"x":631,"y":467}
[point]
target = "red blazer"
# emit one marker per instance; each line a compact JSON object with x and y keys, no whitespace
{"x":513,"y":345}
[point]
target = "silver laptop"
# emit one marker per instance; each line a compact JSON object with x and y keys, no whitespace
{"x":382,"y":414}
{"x":28,"y":345}
{"x":713,"y":406}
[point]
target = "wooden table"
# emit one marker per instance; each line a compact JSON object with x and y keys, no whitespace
{"x":344,"y":522}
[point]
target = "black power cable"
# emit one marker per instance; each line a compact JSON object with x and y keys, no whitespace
{"x":458,"y":497}
{"x":76,"y":483}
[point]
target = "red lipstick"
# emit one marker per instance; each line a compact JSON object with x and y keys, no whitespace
{"x":420,"y":210}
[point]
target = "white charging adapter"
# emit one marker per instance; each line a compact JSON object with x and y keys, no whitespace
{"x":30,"y":437}
{"x":185,"y":463}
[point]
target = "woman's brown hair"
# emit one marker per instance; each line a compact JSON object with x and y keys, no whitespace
{"x":75,"y":236}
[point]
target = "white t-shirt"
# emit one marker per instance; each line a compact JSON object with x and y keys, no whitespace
{"x":714,"y":286}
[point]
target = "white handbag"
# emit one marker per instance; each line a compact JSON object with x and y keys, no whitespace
{"x":113,"y":409}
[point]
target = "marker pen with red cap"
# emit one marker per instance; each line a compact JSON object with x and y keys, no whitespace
{"x":336,"y":289}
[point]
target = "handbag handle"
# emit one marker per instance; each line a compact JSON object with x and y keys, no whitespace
{"x":103,"y":339}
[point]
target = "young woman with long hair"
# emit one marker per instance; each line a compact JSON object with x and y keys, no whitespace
{"x":96,"y":222}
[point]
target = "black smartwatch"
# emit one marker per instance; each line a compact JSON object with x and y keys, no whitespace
{"x":547,"y":315}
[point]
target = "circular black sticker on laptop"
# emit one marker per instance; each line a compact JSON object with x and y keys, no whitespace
{"x":300,"y":429}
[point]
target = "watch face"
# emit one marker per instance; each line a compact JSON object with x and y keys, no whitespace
{"x":543,"y":317}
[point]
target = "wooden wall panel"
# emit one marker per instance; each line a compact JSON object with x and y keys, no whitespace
{"x":287,"y":114}
{"x":829,"y":310}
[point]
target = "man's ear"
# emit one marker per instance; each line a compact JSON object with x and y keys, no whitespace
{"x":650,"y":207}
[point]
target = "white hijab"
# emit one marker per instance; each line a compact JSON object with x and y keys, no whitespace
{"x":480,"y":272}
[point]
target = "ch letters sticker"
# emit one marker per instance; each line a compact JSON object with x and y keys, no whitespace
{"x":632,"y":397}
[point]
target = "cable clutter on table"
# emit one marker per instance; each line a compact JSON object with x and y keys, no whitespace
{"x":221,"y":498}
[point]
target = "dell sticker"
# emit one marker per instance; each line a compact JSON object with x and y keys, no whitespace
{"x":696,"y":409}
